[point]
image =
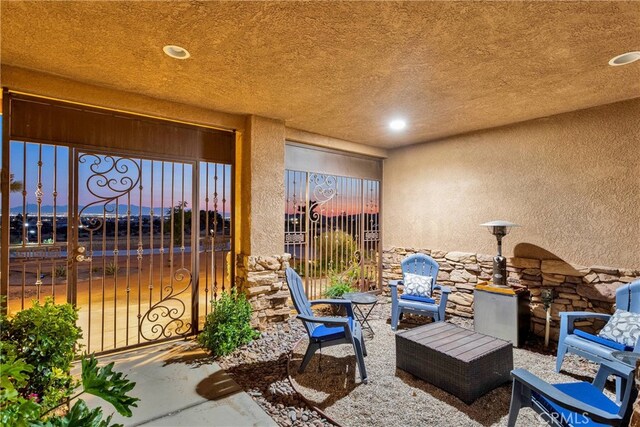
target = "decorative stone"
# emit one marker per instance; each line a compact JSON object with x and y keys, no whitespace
{"x":445,"y":266}
{"x":554,"y":278}
{"x":582,"y":323}
{"x":462,"y":276}
{"x":573,"y":279}
{"x":524,"y":263}
{"x":605,"y":270}
{"x":607,"y":277}
{"x":568,"y":296}
{"x":464,"y":257}
{"x":552,"y":266}
{"x":461,"y":298}
{"x":591,"y":277}
{"x":442,"y":275}
{"x":473,"y":268}
{"x":261,"y":278}
{"x":279,"y":295}
{"x":599,"y":291}
{"x":255,"y":290}
{"x":630,"y":273}
{"x":531,"y":272}
{"x":484,"y":258}
{"x":438,"y":254}
{"x":465,"y":286}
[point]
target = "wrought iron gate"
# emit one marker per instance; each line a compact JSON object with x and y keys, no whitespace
{"x":332,"y":230}
{"x":141,"y":245}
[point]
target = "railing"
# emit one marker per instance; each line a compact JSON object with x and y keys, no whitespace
{"x":128,"y":239}
{"x":332,"y":230}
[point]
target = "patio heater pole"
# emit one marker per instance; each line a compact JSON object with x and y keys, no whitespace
{"x":499,"y":229}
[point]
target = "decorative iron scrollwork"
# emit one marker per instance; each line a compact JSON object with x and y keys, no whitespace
{"x":171,"y":309}
{"x":111,"y":178}
{"x":324,"y":189}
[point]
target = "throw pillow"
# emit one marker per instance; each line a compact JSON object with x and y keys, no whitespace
{"x":623,"y":327}
{"x":417,"y":285}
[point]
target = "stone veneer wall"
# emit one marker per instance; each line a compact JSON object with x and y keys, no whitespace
{"x":262,"y":279}
{"x":635,"y":417}
{"x":575,"y":288}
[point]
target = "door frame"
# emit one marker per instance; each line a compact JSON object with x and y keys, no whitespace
{"x":139,"y":152}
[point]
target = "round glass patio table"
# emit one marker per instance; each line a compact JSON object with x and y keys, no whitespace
{"x":362,"y":299}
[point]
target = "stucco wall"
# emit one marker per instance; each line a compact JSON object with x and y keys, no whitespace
{"x":263,"y":185}
{"x":572,"y":181}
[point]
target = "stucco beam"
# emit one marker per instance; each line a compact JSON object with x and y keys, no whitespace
{"x":297,"y":135}
{"x":51,"y":86}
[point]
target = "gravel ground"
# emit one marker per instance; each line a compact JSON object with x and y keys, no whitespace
{"x":260,"y":368}
{"x":393,"y":397}
{"x":334,"y":386}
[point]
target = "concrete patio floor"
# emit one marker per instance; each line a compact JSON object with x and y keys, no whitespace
{"x":179,"y":385}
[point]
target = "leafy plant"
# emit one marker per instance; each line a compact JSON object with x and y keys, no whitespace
{"x":60,"y":271}
{"x":228,"y":326}
{"x":339,"y":285}
{"x":45,"y":337}
{"x":111,"y":269}
{"x":108,"y":385}
{"x":335,"y":249}
{"x":16,"y":410}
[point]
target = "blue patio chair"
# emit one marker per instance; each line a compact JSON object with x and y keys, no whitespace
{"x":326,"y":331}
{"x":576,"y":404}
{"x":593,"y":347}
{"x":422,"y":265}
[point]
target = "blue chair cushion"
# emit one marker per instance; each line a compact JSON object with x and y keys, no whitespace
{"x":417,"y":298}
{"x":603,"y":341}
{"x":324,"y":333}
{"x":584,"y":392}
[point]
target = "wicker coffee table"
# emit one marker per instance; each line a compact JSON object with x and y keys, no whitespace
{"x":464,"y":363}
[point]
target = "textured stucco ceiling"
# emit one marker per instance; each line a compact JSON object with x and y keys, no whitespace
{"x":342,"y":69}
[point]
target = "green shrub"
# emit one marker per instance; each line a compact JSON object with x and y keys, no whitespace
{"x":228,"y":326}
{"x":37,"y":347}
{"x":18,"y":410}
{"x":339,"y":285}
{"x":60,"y":271}
{"x":111,"y":269}
{"x":335,"y":249}
{"x":45,"y":337}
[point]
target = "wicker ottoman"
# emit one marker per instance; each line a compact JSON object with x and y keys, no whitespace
{"x":462,"y":362}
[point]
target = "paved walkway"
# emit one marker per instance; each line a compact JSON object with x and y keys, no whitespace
{"x":179,"y":386}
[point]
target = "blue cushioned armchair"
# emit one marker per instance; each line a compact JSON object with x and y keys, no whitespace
{"x":326,"y":331}
{"x":579,"y":404}
{"x":590,"y":346}
{"x":423,"y":265}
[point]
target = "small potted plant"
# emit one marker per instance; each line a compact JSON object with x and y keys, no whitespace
{"x":338,"y":286}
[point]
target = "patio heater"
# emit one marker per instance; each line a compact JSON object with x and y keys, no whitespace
{"x":499,"y":229}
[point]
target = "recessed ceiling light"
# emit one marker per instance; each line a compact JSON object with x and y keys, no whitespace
{"x":625,"y":58}
{"x":176,"y":52}
{"x":397,"y":124}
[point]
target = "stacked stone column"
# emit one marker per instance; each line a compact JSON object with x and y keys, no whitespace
{"x":262,"y":279}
